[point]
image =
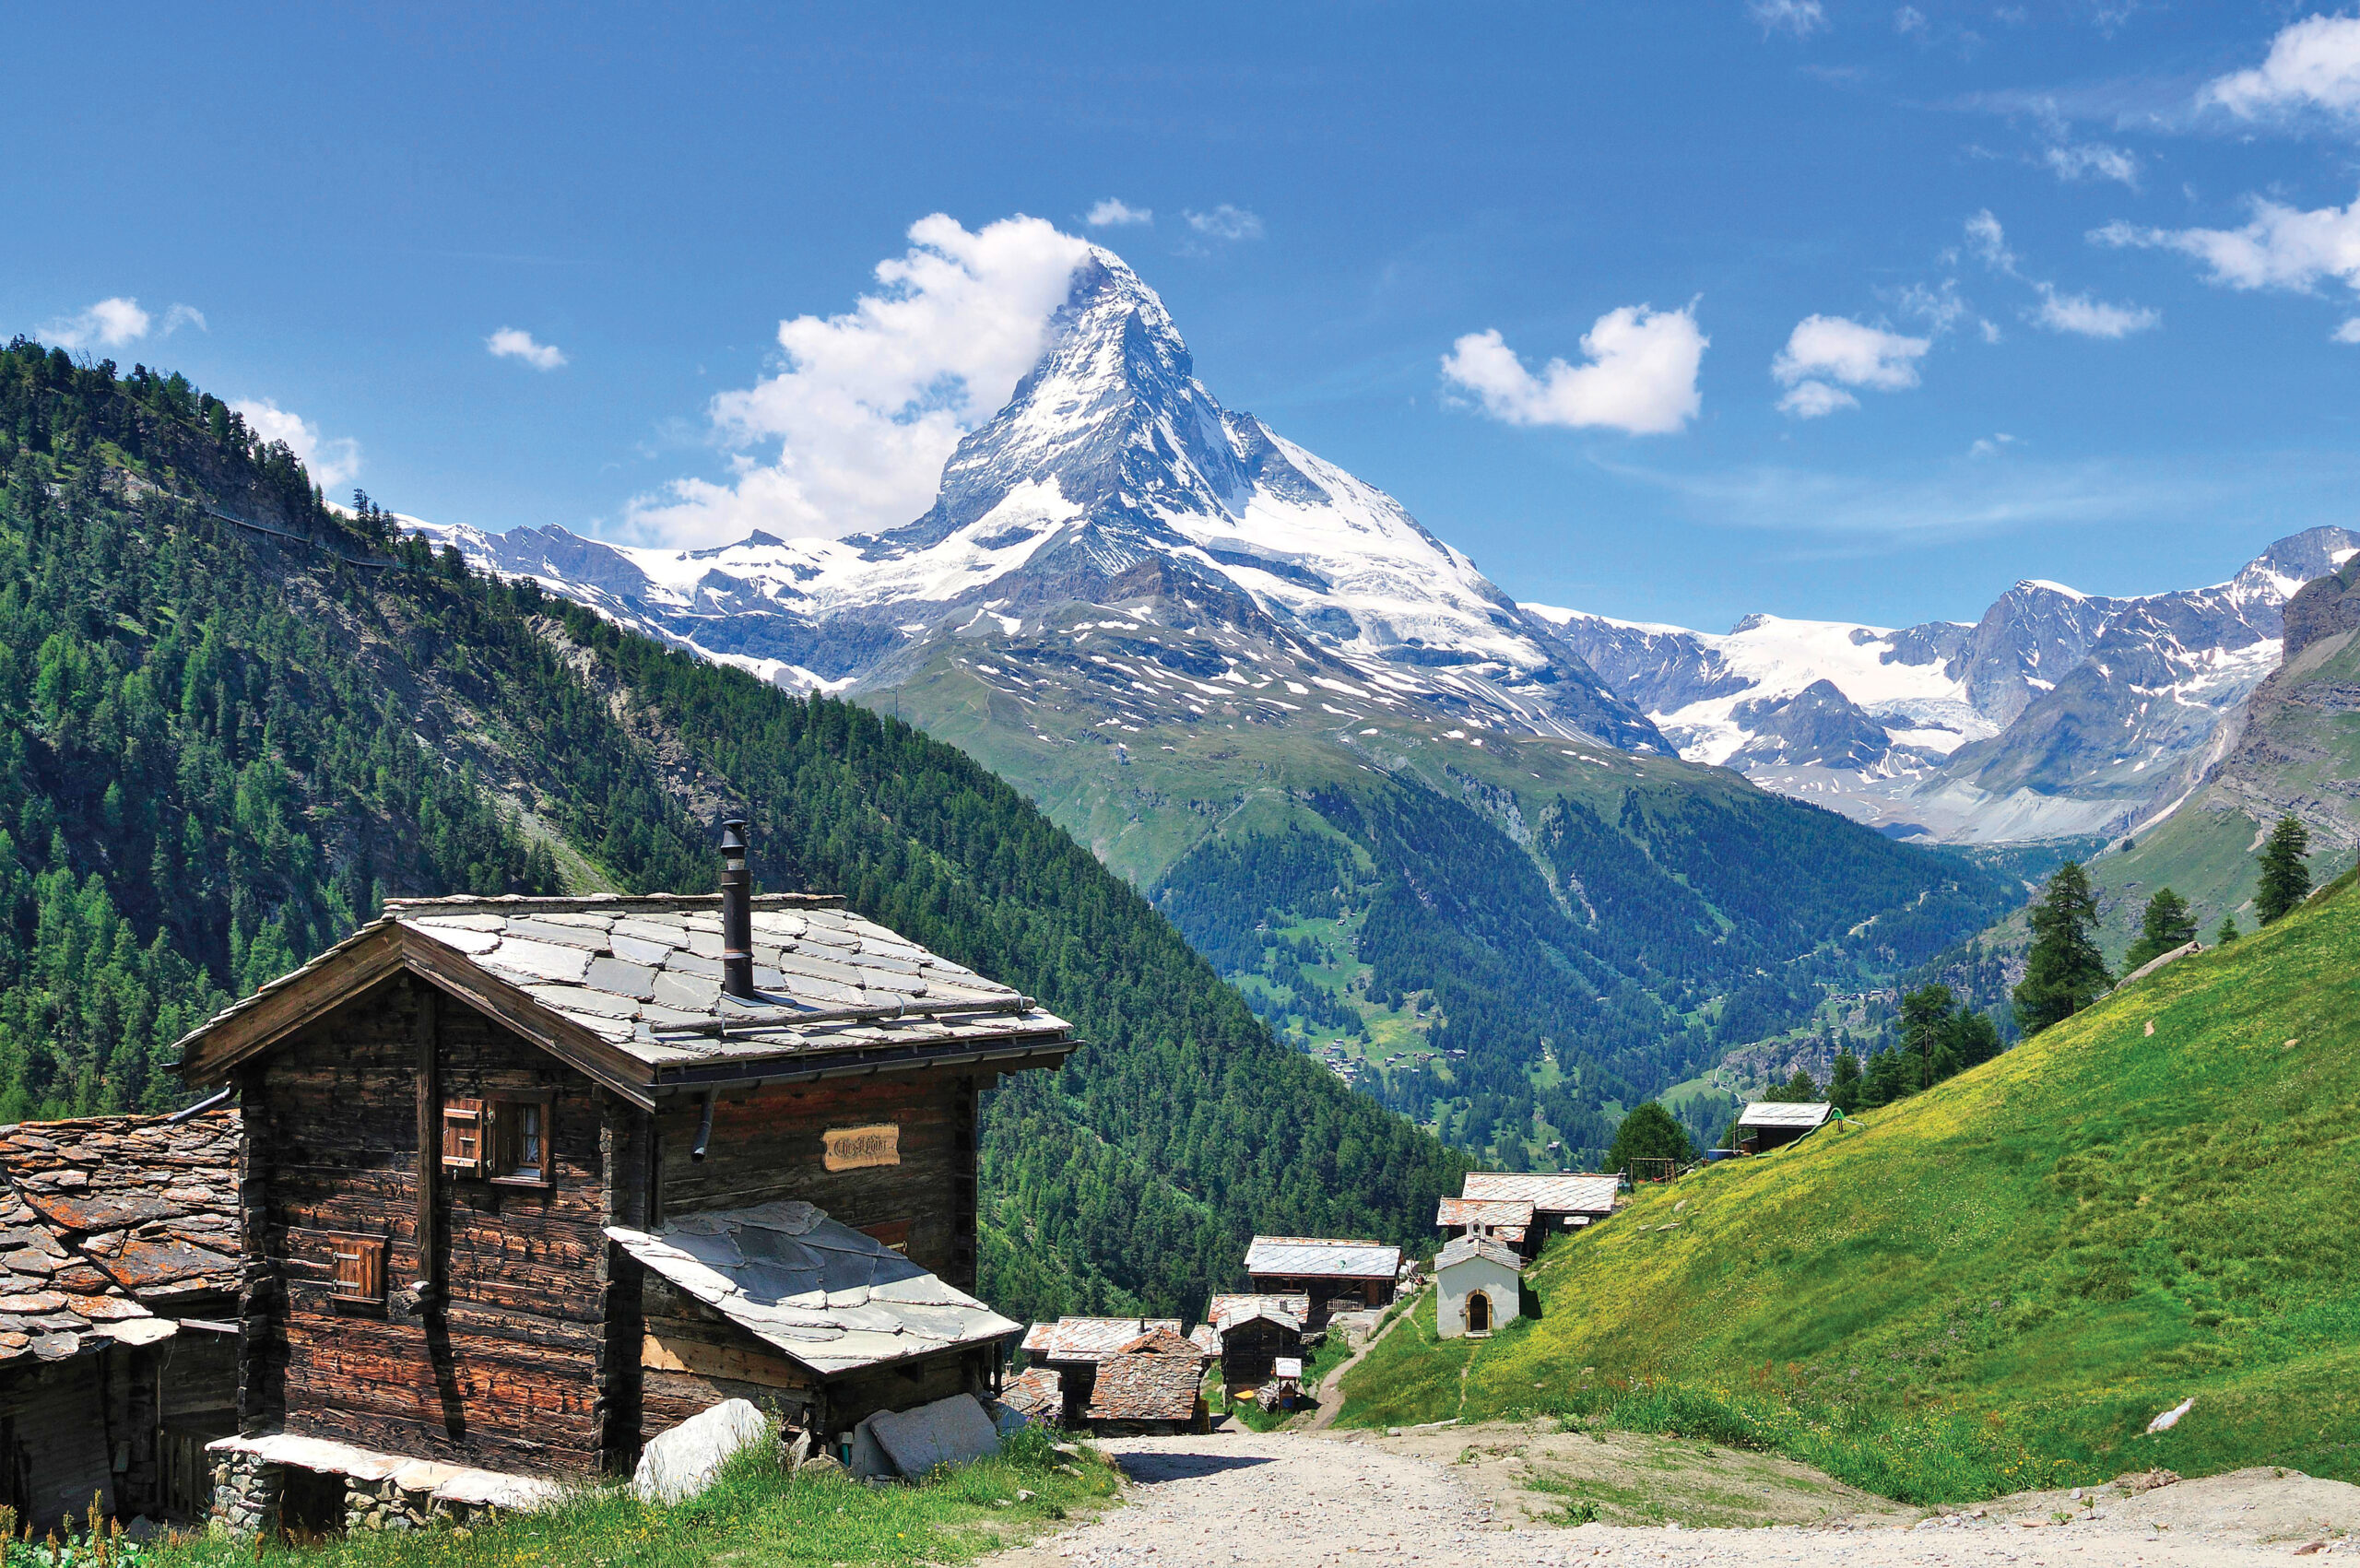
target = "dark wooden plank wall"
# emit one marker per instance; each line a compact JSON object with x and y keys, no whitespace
{"x":1248,"y":1351}
{"x":62,"y":1426}
{"x":766,"y":1146}
{"x":508,"y":1374}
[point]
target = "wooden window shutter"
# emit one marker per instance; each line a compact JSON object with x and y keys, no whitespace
{"x":463,"y":1137}
{"x":359,"y":1269}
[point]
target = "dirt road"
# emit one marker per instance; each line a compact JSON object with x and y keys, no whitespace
{"x":1468,"y":1497}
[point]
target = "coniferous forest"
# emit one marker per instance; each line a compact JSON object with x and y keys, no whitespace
{"x":237,"y":720}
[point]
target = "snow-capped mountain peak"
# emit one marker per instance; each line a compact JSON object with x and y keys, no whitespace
{"x":1111,"y":457}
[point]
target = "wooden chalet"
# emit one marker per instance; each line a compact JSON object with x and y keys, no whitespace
{"x":1332,"y":1275}
{"x":1253,"y":1333}
{"x":1072,"y":1348}
{"x":1770,"y":1124}
{"x":118,"y":1300}
{"x":527,"y":1181}
{"x":1561,"y":1201}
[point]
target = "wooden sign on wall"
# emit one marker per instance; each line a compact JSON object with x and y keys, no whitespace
{"x":857,"y":1149}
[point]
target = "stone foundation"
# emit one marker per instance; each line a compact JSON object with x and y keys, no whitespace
{"x":246,"y":1493}
{"x":381,"y":1492}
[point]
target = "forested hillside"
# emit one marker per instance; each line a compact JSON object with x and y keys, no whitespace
{"x":238,"y":720}
{"x":1642,"y":927}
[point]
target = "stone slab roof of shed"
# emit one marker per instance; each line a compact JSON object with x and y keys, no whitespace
{"x":1091,"y":1338}
{"x":1463,"y":1249}
{"x":107,"y":1221}
{"x":1554,"y":1192}
{"x":1495,"y":1212}
{"x":1039,"y":1392}
{"x":825,"y":1294}
{"x":1228,"y":1313}
{"x":642,"y":975}
{"x":1146,"y":1387}
{"x":1322,"y":1258}
{"x":1783,"y":1113}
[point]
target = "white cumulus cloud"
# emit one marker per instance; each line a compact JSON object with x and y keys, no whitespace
{"x":1823,"y":350}
{"x":512,"y":343}
{"x":2313,"y":64}
{"x":1802,"y":17}
{"x":2085,"y":317}
{"x":1113,"y":213}
{"x":1639,"y":375}
{"x":110,"y":324}
{"x":113,"y":323}
{"x":1225,"y":222}
{"x":852,"y":432}
{"x":2348,"y":332}
{"x":331,"y":462}
{"x":2282,"y":247}
{"x":2093,"y":160}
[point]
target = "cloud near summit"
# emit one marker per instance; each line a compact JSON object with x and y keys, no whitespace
{"x":851,"y":432}
{"x":1638,"y":375}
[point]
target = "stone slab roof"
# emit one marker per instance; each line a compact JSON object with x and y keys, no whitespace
{"x":823,"y":1294}
{"x":107,"y":1223}
{"x":1146,"y":1387}
{"x":1296,"y":1303}
{"x":442,"y":1482}
{"x":1039,"y":1392}
{"x":642,"y":976}
{"x":1501,"y":1215}
{"x":1781,"y":1114}
{"x":1090,"y":1339}
{"x":1233,"y":1312}
{"x":1318,"y":1256}
{"x":1466,"y":1248}
{"x":1547,"y":1192}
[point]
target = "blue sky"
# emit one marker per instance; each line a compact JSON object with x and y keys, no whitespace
{"x":1886,"y":306}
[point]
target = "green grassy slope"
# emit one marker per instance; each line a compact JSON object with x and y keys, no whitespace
{"x":1999,"y":1281}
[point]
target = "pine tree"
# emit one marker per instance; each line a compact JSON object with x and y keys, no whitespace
{"x":1799,"y":1090}
{"x":1649,"y":1133}
{"x":2168,"y":924}
{"x":2286,"y":879}
{"x":1925,"y":1031}
{"x":2065,"y":971}
{"x":2227,"y":933}
{"x":1845,"y":1089}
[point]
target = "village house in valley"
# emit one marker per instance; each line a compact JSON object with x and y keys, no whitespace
{"x":1331,"y":1276}
{"x":1069,"y":1353}
{"x":1557,"y":1202}
{"x":527,"y":1181}
{"x":1252,"y":1334}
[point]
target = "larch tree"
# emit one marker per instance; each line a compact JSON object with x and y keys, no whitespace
{"x":2285,"y":879}
{"x":2065,"y":971}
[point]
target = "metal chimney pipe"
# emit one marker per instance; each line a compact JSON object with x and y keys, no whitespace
{"x":736,"y":912}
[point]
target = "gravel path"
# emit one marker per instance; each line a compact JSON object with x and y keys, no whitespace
{"x":1307,"y":1501}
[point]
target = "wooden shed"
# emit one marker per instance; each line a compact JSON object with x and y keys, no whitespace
{"x":1772,"y":1124}
{"x":527,"y":1181}
{"x":1253,"y":1333}
{"x":118,"y":1280}
{"x":1332,"y":1274}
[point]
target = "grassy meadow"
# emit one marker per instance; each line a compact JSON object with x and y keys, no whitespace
{"x":1998,"y":1284}
{"x":755,"y":1514}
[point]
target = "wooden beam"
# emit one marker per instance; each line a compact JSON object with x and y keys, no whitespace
{"x":427,"y":1038}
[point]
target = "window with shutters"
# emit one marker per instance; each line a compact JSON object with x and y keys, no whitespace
{"x":359,"y":1269}
{"x":463,"y":1137}
{"x":519,"y":1139}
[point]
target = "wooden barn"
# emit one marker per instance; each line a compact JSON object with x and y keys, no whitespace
{"x":118,"y":1290}
{"x":1508,"y":1223}
{"x":1769,"y":1124}
{"x":1334,"y":1276}
{"x":1253,"y":1333}
{"x":1561,"y":1201}
{"x":527,"y":1181}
